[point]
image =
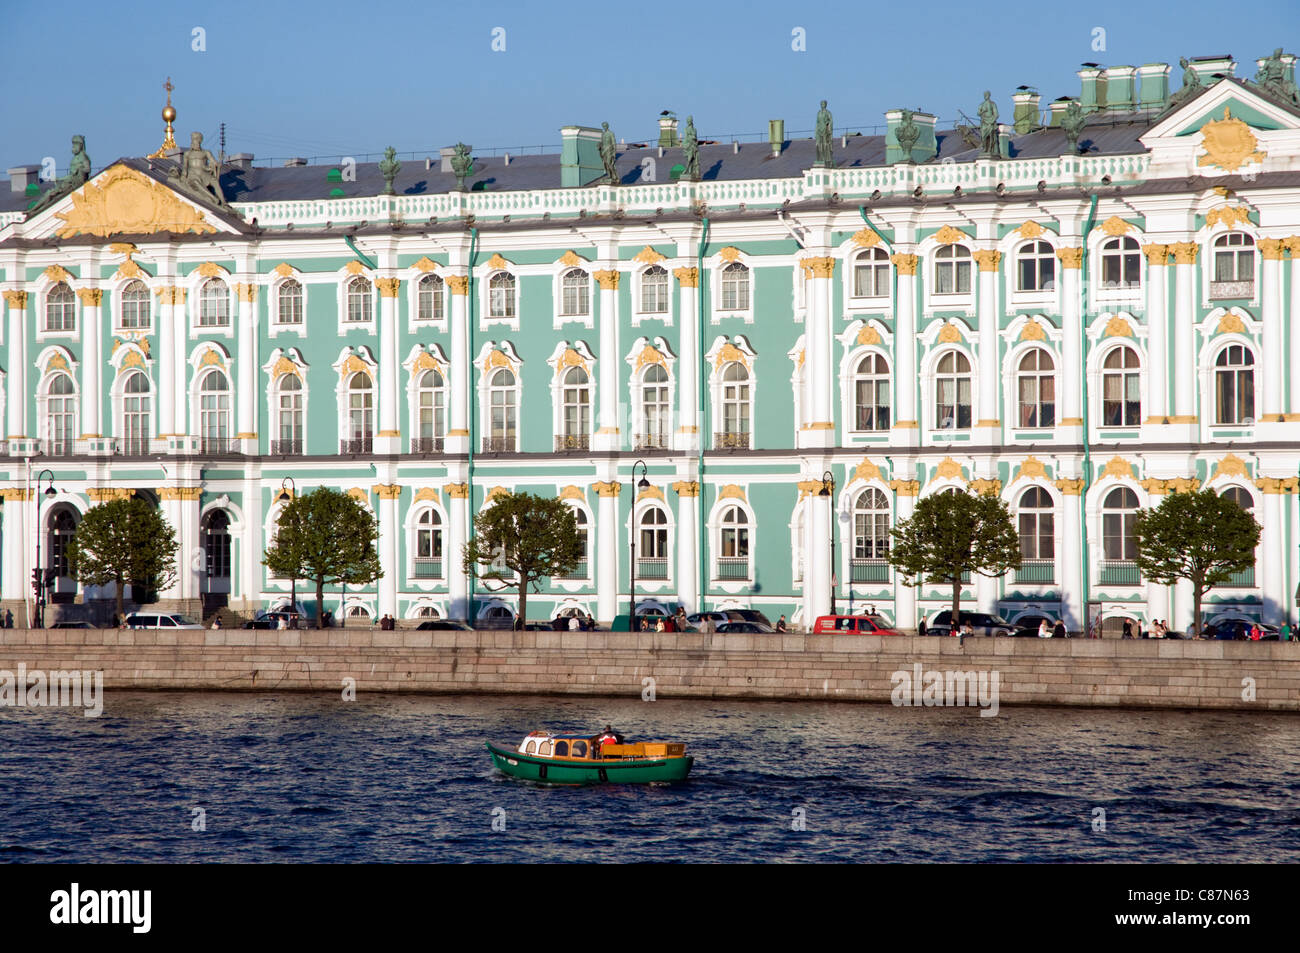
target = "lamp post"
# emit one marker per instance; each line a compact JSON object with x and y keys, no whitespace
{"x":828,"y":483}
{"x":38,"y":580}
{"x":642,"y":485}
{"x":287,"y":485}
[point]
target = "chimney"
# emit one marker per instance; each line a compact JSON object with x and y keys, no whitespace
{"x":295,"y":161}
{"x":1093,"y":96}
{"x":1058,"y":107}
{"x":776,"y":135}
{"x":446,"y":155}
{"x":1207,"y":66}
{"x":1025,"y":115}
{"x":241,"y":160}
{"x":1119,"y":87}
{"x":926,"y":147}
{"x":22,"y":176}
{"x":579,"y":156}
{"x":1154,"y":90}
{"x":668,"y":130}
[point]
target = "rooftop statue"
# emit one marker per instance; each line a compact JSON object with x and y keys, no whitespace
{"x":608,"y":150}
{"x":388,"y":168}
{"x":198,"y":173}
{"x":78,"y":175}
{"x":907,"y":134}
{"x":990,"y":144}
{"x":1073,"y":122}
{"x":825,"y":129}
{"x":461,"y":163}
{"x":1191,"y":82}
{"x":1272,"y":76}
{"x":691,"y":149}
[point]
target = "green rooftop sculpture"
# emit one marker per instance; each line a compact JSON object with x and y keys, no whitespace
{"x":78,"y":175}
{"x":825,"y":130}
{"x":388,"y":168}
{"x":691,"y":148}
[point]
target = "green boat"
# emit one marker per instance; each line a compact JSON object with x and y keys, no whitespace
{"x":592,"y":759}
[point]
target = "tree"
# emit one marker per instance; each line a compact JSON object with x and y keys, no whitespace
{"x":121,"y":541}
{"x":326,"y":536}
{"x":952,"y":533}
{"x":525,"y":537}
{"x":1198,"y":536}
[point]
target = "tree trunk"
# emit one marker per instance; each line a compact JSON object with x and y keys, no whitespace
{"x":320,"y":602}
{"x":1198,"y":590}
{"x":120,"y":585}
{"x":956,"y":602}
{"x":522,"y":618}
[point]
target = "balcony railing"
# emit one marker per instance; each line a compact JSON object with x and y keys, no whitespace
{"x":1232,"y":289}
{"x":730,"y":441}
{"x":572,"y":441}
{"x":733,"y":567}
{"x":428,"y":567}
{"x":426,"y":445}
{"x":1242,"y":580}
{"x":286,"y":448}
{"x":1036,"y":571}
{"x":579,"y":572}
{"x":650,"y":568}
{"x":1116,"y":572}
{"x":357,"y":445}
{"x":947,"y":580}
{"x":651,"y":441}
{"x":131,"y":446}
{"x":58,"y":448}
{"x":869,"y":570}
{"x":218,"y":446}
{"x":498,"y":445}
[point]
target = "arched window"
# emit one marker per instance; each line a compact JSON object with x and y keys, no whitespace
{"x":735,"y":288}
{"x":216,"y":544}
{"x":502,"y":412}
{"x":1037,"y":517}
{"x":580,"y":517}
{"x":502,"y":295}
{"x":62,"y":524}
{"x":289,"y":416}
{"x":575,"y":293}
{"x":60,"y":416}
{"x":952,"y":270}
{"x":61,"y":308}
{"x":214,"y":413}
{"x":429,"y":299}
{"x":655,"y":408}
{"x":428,"y":545}
{"x":429,"y":612}
{"x":1234,"y":385}
{"x":733,"y":544}
{"x":1240,"y":497}
{"x":135,"y":414}
{"x":361,"y":414}
{"x":871,"y":274}
{"x":289,"y":302}
{"x":360,"y":301}
{"x":356,"y":611}
{"x":135,"y":306}
{"x":870,"y":536}
{"x":1035,"y":267}
{"x":214,"y":304}
{"x":1121,"y":389}
{"x":1036,"y":389}
{"x":952,"y":392}
{"x":1118,"y":517}
{"x":1234,"y":266}
{"x":431,"y":413}
{"x":1121,"y":263}
{"x":871,"y":394}
{"x":735,"y":407}
{"x":654,"y":290}
{"x":652,"y":546}
{"x":575,"y":419}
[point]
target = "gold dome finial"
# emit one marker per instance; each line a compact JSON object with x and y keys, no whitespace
{"x":169,"y":116}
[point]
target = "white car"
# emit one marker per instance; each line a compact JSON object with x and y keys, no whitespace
{"x":160,"y":620}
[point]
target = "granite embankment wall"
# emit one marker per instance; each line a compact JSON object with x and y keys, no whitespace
{"x":1108,"y":673}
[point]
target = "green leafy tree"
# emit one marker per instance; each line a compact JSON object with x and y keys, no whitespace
{"x":1201,"y":537}
{"x":952,"y":533}
{"x":521,"y":539}
{"x":121,"y":541}
{"x":328,"y":537}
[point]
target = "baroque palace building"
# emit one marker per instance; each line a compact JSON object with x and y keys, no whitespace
{"x":1095,"y":305}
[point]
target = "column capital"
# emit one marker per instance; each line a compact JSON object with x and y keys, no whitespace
{"x":91,"y":297}
{"x":608,"y":280}
{"x":906,"y":264}
{"x":388,"y":491}
{"x":687,"y":277}
{"x":457,"y":491}
{"x":1070,"y":487}
{"x":1156,"y":254}
{"x":987,"y":487}
{"x":459,"y":284}
{"x":687,"y":488}
{"x":16,"y":299}
{"x":905,"y":487}
{"x":1071,"y":258}
{"x":1270,"y":249}
{"x":246,"y":292}
{"x":190,"y":493}
{"x":607,"y":489}
{"x":987,"y":258}
{"x":820,"y":267}
{"x":1292,"y":244}
{"x":388,"y":287}
{"x":1185,"y":252}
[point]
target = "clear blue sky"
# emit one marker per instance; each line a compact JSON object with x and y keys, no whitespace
{"x":349,"y":77}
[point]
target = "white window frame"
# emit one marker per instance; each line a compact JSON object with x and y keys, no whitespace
{"x":441,"y":296}
{"x":930,"y":393}
{"x":719,"y":313}
{"x":1013,"y":399}
{"x":583,"y":279}
{"x":119,"y":311}
{"x":118,"y":396}
{"x":486,"y":389}
{"x":878,"y":255}
{"x":486,"y":318}
{"x":855,"y":361}
{"x":638,"y":289}
{"x":716,"y":527}
{"x":345,"y":296}
{"x":1100,"y":372}
{"x":1133,"y":294}
{"x":44,"y":331}
{"x":278,"y":324}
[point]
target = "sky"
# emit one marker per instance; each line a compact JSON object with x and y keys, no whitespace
{"x":344,"y":77}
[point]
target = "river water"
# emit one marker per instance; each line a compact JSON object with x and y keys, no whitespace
{"x":298,"y":777}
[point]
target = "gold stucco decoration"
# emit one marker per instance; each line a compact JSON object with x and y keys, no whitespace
{"x":988,"y":259}
{"x":1071,"y":258}
{"x":1183,"y":485}
{"x":17,"y":300}
{"x":570,"y":358}
{"x":101,"y":494}
{"x":1119,"y":468}
{"x":1118,"y":327}
{"x":358,"y":494}
{"x":388,"y":491}
{"x":129,"y":269}
{"x":1031,"y":468}
{"x":648,"y":256}
{"x":986,"y":487}
{"x":866,"y":470}
{"x":650,"y":355}
{"x":687,"y":277}
{"x":607,"y":489}
{"x":459,"y":284}
{"x":353,"y":365}
{"x":1185,"y":252}
{"x":905,"y":487}
{"x":1229,"y":143}
{"x":424,"y":361}
{"x":1228,"y":215}
{"x":1031,"y":229}
{"x":950,"y":236}
{"x":1156,"y":254}
{"x":1032,"y":331}
{"x":457,"y":491}
{"x":246,"y":292}
{"x":211,"y":358}
{"x":608,"y":280}
{"x":1270,"y":249}
{"x":687,"y":488}
{"x":949,"y":334}
{"x":124,"y":201}
{"x":729,"y":353}
{"x":284,"y":269}
{"x":91,"y":297}
{"x":389,"y":287}
{"x":573,"y":493}
{"x":1231,"y":323}
{"x":823,"y":267}
{"x":1070,"y":487}
{"x":1230,"y":465}
{"x":571,"y":258}
{"x":730,"y":253}
{"x":868,"y":335}
{"x":211,"y":270}
{"x":426,"y":493}
{"x":651,"y":493}
{"x":188,"y":493}
{"x":866,"y":238}
{"x":425,"y":264}
{"x":906,"y":264}
{"x":285,"y":366}
{"x":496,"y":359}
{"x":496,"y":262}
{"x":355,"y":268}
{"x":1153,"y":486}
{"x":56,"y":363}
{"x":132,"y":359}
{"x":732,"y":492}
{"x":57,"y":273}
{"x":1115,"y":226}
{"x":16,"y":494}
{"x":948,"y":469}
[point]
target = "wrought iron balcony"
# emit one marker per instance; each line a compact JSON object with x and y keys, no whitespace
{"x":732,"y":568}
{"x":218,"y":446}
{"x":579,"y":572}
{"x":286,"y":448}
{"x":730,"y":441}
{"x":1242,"y":580}
{"x":1036,"y":571}
{"x":428,"y":567}
{"x":1119,"y":572}
{"x":426,"y":444}
{"x":651,"y":569}
{"x":131,"y":446}
{"x":58,"y":448}
{"x":357,"y":445}
{"x":651,"y":441}
{"x":572,"y":441}
{"x":498,"y":444}
{"x":869,"y":570}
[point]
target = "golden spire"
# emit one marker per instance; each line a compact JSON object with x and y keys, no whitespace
{"x":169,"y":116}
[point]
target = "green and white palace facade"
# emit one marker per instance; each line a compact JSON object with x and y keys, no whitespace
{"x":797,"y":353}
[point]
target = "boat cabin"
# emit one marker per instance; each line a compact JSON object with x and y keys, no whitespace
{"x":575,"y":747}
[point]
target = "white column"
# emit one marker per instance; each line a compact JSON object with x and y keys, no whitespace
{"x":246,"y":419}
{"x":168,"y":298}
{"x":388,"y":532}
{"x":607,"y":436}
{"x":1269,"y":405}
{"x":91,"y":360}
{"x":607,"y":551}
{"x":172,"y":510}
{"x":1157,"y":405}
{"x":817,"y":556}
{"x":1072,"y":568}
{"x":688,"y":566}
{"x":988,"y":429}
{"x":689,"y":416}
{"x":905,"y":616}
{"x":190,"y":567}
{"x":1070,"y":423}
{"x":457,"y":499}
{"x":16,"y":359}
{"x":1180,"y":615}
{"x":16,"y":582}
{"x":1293,"y":326}
{"x":819,"y":427}
{"x":250,"y":543}
{"x":905,"y":429}
{"x":459,"y":375}
{"x":1272,"y":560}
{"x":389,"y":437}
{"x":1184,"y":364}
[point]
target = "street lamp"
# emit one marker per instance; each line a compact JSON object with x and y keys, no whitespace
{"x":644,"y":484}
{"x":828,"y":483}
{"x":288,"y":490}
{"x":38,"y":580}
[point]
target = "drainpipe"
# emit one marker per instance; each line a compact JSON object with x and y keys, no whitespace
{"x":365,"y":259}
{"x":469,"y":410}
{"x":702,"y":553}
{"x":1087,"y":448}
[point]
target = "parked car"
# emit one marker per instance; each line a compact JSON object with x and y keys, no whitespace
{"x":854,"y":625}
{"x":982,"y":623}
{"x":73,"y":625}
{"x":160,"y":620}
{"x":271,"y":620}
{"x":750,"y":628}
{"x":719,"y":616}
{"x":443,"y":625}
{"x":1239,"y":629}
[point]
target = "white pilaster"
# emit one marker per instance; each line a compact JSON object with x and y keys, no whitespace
{"x":458,"y":379}
{"x":905,"y":615}
{"x":167,"y":368}
{"x":1070,"y":422}
{"x":688,"y":567}
{"x":1072,"y":568}
{"x":457,"y":535}
{"x":16,"y":360}
{"x":248,"y":403}
{"x":189,"y":556}
{"x":608,"y":436}
{"x":389,"y":437}
{"x":90,"y":343}
{"x":988,"y":426}
{"x":607,"y":550}
{"x":819,"y":428}
{"x":172,"y":511}
{"x":251,"y":570}
{"x":1269,"y":405}
{"x":906,"y":432}
{"x":1157,"y":366}
{"x":388,"y":534}
{"x":1293,"y":327}
{"x":1185,"y":377}
{"x":1272,"y":559}
{"x":817,"y":557}
{"x":689,"y":416}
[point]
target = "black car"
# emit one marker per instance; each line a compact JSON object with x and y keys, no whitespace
{"x":745,"y":628}
{"x":1239,"y":630}
{"x":982,"y":623}
{"x":443,"y":625}
{"x":271,"y":620}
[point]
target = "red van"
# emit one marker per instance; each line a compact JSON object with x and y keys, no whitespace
{"x":853,"y":625}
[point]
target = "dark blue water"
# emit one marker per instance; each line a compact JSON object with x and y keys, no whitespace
{"x":405,"y":778}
